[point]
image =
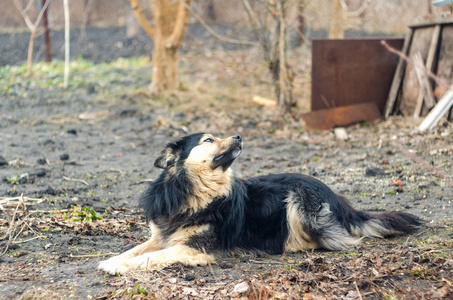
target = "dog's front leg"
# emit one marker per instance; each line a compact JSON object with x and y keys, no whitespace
{"x":176,"y":254}
{"x":148,"y":246}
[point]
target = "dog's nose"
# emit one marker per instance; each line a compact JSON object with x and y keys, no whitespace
{"x":237,"y":137}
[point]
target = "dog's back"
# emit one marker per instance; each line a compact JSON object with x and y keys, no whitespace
{"x":293,"y":212}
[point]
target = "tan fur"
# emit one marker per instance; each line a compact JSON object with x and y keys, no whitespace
{"x":372,"y":228}
{"x":157,"y":259}
{"x":158,"y":252}
{"x":209,"y":183}
{"x":298,"y":239}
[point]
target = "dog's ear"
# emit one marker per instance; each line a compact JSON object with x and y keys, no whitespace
{"x":166,"y":159}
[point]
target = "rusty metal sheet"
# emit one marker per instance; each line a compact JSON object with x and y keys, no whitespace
{"x":341,"y":116}
{"x":352,"y":71}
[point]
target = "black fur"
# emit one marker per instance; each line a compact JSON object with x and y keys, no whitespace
{"x":254,"y":214}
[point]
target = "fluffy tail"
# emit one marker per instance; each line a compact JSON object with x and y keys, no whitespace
{"x":386,"y":224}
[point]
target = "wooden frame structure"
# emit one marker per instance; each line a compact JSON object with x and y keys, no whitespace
{"x":427,"y":47}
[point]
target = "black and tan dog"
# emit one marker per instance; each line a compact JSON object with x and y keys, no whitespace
{"x":197,"y":209}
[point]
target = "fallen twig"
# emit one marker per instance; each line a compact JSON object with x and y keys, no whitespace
{"x":4,"y":200}
{"x":92,"y":255}
{"x":435,"y":171}
{"x":358,"y":291}
{"x":73,"y":179}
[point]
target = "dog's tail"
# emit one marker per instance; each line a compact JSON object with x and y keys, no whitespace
{"x":385,"y":224}
{"x":341,"y":226}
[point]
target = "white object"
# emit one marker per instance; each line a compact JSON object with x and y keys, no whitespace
{"x":437,"y":112}
{"x":241,"y":287}
{"x":442,"y":2}
{"x":340,"y":133}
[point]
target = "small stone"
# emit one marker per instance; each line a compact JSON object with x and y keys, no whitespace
{"x":64,"y":156}
{"x":38,"y":173}
{"x":374,"y":172}
{"x":172,"y":280}
{"x":91,"y":89}
{"x":241,"y":287}
{"x":340,"y":133}
{"x":189,"y":277}
{"x":72,"y":131}
{"x":41,"y":161}
{"x":3,"y":161}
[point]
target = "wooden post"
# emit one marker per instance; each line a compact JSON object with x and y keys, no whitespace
{"x":47,"y":42}
{"x":398,"y":77}
{"x":66,"y":42}
{"x":425,"y":86}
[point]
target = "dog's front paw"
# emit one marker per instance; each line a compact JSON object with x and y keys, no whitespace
{"x":113,"y":266}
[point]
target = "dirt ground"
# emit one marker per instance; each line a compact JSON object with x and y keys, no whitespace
{"x":74,"y":162}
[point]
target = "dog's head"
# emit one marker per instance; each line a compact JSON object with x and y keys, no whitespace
{"x":200,"y":151}
{"x":200,"y":165}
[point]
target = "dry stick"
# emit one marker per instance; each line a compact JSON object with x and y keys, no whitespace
{"x":93,"y":255}
{"x":440,"y":81}
{"x":6,"y":200}
{"x":435,"y":171}
{"x":11,"y":229}
{"x":78,"y":180}
{"x":358,"y":291}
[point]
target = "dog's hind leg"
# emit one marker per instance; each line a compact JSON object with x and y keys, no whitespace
{"x":176,"y":254}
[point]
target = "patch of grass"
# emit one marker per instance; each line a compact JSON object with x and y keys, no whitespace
{"x":83,"y":214}
{"x":83,"y":73}
{"x":16,"y":178}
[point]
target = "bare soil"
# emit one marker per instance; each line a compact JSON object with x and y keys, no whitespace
{"x":69,"y":157}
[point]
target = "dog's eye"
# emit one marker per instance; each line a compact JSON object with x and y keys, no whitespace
{"x":208,"y":140}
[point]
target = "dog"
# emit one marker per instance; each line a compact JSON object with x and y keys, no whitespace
{"x":197,"y":209}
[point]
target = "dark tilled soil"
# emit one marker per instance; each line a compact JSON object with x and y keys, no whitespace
{"x":69,"y":157}
{"x":98,"y":154}
{"x":103,"y":44}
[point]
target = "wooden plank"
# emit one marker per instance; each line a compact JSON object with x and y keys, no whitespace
{"x":398,"y":76}
{"x":425,"y":85}
{"x":341,"y":116}
{"x":445,"y":58}
{"x":410,"y":87}
{"x":431,"y":20}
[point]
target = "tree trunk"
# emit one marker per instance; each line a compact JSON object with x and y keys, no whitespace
{"x":285,"y":97}
{"x":170,"y":21}
{"x":165,"y":68}
{"x":336,"y":27}
{"x":47,"y":41}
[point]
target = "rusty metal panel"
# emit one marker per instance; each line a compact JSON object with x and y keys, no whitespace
{"x":341,"y":116}
{"x":352,"y":71}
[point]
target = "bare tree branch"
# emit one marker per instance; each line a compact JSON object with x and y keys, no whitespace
{"x":136,"y":9}
{"x":23,"y":12}
{"x":31,"y":44}
{"x":180,"y":26}
{"x":355,"y":13}
{"x":215,"y":34}
{"x":439,"y":81}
